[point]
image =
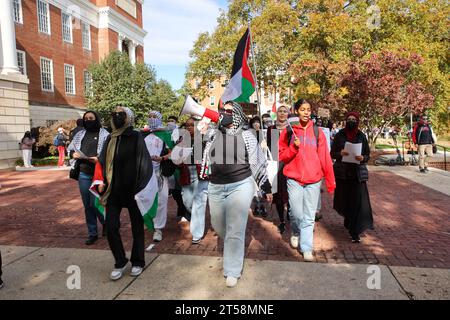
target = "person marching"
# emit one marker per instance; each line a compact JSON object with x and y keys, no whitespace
{"x":194,"y":188}
{"x":233,"y":156}
{"x":351,"y":199}
{"x":307,"y":161}
{"x":85,"y":148}
{"x":157,"y":141}
{"x":122,"y":176}
{"x":281,"y":197}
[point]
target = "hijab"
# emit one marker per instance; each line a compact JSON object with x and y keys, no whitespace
{"x":352,"y":132}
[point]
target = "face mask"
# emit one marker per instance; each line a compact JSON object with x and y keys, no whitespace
{"x":227,"y":120}
{"x":351,"y":125}
{"x":119,"y":120}
{"x":154,"y":123}
{"x":91,"y":125}
{"x":171,"y":126}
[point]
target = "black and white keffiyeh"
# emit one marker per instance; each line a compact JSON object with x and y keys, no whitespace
{"x":76,"y":142}
{"x":256,"y":157}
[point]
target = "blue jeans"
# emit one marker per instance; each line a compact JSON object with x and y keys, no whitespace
{"x":90,"y":211}
{"x":229,"y":205}
{"x":195,"y":196}
{"x":303,"y":201}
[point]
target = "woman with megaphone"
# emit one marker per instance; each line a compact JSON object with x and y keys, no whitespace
{"x":233,"y":161}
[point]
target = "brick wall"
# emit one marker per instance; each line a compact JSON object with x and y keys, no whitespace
{"x":37,"y":44}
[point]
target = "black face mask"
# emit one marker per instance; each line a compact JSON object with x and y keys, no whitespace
{"x":227,"y":120}
{"x":119,"y":120}
{"x":351,"y":125}
{"x":91,"y":125}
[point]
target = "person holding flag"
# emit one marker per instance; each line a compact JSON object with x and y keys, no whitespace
{"x":123,"y":178}
{"x":234,"y":161}
{"x":159,"y":142}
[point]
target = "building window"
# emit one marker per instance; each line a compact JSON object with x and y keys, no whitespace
{"x":43,"y":16}
{"x":46,"y":74}
{"x":67,"y":27}
{"x":18,"y":16}
{"x":69,"y":78}
{"x":212,"y":101}
{"x":22,"y":62}
{"x":87,"y":83}
{"x":86,"y":34}
{"x":129,"y":6}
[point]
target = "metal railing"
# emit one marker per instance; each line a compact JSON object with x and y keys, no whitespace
{"x":413,"y":154}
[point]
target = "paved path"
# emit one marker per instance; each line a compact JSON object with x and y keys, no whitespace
{"x":412,"y":221}
{"x":44,"y":274}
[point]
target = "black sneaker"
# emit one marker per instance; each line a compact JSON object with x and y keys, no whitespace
{"x":282,"y":227}
{"x":356,"y":239}
{"x":422,"y":171}
{"x":91,"y":241}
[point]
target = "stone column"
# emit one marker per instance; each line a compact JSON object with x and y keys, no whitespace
{"x":8,"y":61}
{"x":132,"y":48}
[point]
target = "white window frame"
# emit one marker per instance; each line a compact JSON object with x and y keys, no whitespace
{"x":49,"y":31}
{"x":86,"y":26}
{"x":51,"y":75}
{"x":87,"y":83}
{"x":73,"y":80}
{"x":64,"y":27}
{"x":24,"y":60}
{"x":212,"y":100}
{"x":18,"y":4}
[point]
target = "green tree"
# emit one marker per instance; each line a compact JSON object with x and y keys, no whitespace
{"x":116,"y":81}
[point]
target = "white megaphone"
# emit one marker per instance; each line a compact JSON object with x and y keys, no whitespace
{"x":193,"y":108}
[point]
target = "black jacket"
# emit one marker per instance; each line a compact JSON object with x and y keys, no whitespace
{"x":348,"y":171}
{"x":132,"y":168}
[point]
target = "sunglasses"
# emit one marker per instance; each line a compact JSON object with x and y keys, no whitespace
{"x":118,"y":114}
{"x":226,"y":111}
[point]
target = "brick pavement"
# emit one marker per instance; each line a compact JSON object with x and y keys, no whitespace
{"x":411,"y":224}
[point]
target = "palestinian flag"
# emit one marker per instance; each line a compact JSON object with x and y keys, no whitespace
{"x":242,"y":83}
{"x":146,"y":199}
{"x":273,"y":113}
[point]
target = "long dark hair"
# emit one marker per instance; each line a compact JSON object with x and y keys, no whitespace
{"x":27,"y":135}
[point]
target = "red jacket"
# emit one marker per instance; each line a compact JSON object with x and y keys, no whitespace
{"x":308,"y":163}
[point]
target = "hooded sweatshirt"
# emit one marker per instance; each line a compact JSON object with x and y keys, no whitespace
{"x":307,"y":164}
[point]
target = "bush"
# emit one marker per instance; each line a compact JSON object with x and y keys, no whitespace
{"x":48,"y":161}
{"x":47,"y":134}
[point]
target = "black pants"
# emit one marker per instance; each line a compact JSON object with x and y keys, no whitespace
{"x":181,"y":209}
{"x":115,"y":241}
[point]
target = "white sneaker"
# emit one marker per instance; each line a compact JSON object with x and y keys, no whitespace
{"x":116,"y":274}
{"x":136,"y":271}
{"x":294,"y":242}
{"x":157,"y":235}
{"x":308,"y":256}
{"x":231,"y":282}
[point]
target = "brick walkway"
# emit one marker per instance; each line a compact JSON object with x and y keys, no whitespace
{"x":411,"y":221}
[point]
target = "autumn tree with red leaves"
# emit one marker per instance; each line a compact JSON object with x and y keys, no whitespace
{"x":381,"y":90}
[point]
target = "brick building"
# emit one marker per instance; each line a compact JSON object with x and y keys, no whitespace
{"x":52,"y":43}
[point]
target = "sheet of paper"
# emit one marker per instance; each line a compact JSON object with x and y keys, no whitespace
{"x":82,"y":155}
{"x":354,"y":150}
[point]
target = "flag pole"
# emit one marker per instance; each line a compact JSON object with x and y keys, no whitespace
{"x":254,"y":72}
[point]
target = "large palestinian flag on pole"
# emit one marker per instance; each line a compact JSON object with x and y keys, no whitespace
{"x":242,"y":83}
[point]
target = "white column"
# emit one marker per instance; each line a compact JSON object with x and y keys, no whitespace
{"x":132,"y":49}
{"x":8,"y":62}
{"x":119,"y":45}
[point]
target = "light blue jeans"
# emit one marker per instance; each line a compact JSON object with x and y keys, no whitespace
{"x":303,"y":201}
{"x":229,"y":205}
{"x":195,"y":196}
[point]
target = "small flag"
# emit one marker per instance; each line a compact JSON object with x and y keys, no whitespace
{"x":273,"y":114}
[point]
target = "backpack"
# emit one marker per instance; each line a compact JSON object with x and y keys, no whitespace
{"x":316,"y":134}
{"x":167,"y":166}
{"x":56,"y":141}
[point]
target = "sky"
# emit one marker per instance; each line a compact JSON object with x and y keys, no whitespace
{"x":173,"y":26}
